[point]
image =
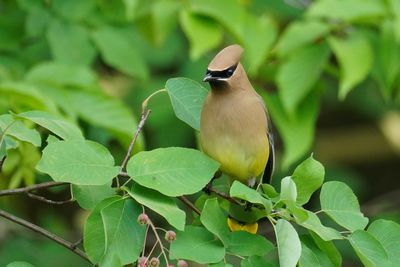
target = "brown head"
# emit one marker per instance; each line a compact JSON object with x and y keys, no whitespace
{"x":225,"y":69}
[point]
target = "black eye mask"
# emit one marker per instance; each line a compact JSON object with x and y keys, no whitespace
{"x":223,"y":74}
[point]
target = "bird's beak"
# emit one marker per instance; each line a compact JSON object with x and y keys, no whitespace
{"x":208,"y":78}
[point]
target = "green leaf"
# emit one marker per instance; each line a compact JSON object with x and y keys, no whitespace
{"x":388,"y":234}
{"x":88,"y":196}
{"x":60,"y":74}
{"x":112,"y":232}
{"x":214,"y":219}
{"x":339,"y":202}
{"x":172,"y":171}
{"x":187,"y":97}
{"x":57,"y":125}
{"x":269,"y":190}
{"x":203,"y":33}
{"x":314,"y":224}
{"x":246,"y":244}
{"x":297,"y":76}
{"x":368,"y":249}
{"x":19,"y":264}
{"x":386,"y":65}
{"x":355,"y":59}
{"x":73,"y":9}
{"x":329,"y":249}
{"x":256,"y":261}
{"x":118,"y":50}
{"x":347,"y":10}
{"x":231,"y":9}
{"x":106,"y":112}
{"x":288,"y":190}
{"x":161,"y":204}
{"x":299,"y":34}
{"x":124,"y":236}
{"x":26,"y":95}
{"x":78,"y":162}
{"x":299,"y":126}
{"x":36,"y":21}
{"x":395,"y":8}
{"x":205,"y":247}
{"x":18,"y":130}
{"x":70,"y":44}
{"x":244,"y":192}
{"x":94,"y":240}
{"x":311,"y":255}
{"x":308,"y":176}
{"x":164,"y":18}
{"x":257,"y":37}
{"x":288,"y":242}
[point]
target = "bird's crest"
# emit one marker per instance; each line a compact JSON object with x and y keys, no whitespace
{"x":226,"y":58}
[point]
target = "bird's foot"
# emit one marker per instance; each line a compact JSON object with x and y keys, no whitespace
{"x":251,"y":182}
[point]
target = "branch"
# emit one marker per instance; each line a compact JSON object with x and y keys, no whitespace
{"x":223,"y":195}
{"x":143,"y":118}
{"x":49,"y":201}
{"x":27,"y":189}
{"x":189,"y":204}
{"x":159,"y":241}
{"x":45,"y":233}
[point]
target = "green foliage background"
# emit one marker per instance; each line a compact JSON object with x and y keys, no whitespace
{"x":327,"y":69}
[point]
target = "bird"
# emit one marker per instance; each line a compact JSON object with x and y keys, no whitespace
{"x":235,"y":129}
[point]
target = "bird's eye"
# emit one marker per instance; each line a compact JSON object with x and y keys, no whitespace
{"x":230,"y":72}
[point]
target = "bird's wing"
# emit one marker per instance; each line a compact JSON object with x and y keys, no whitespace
{"x":269,"y":168}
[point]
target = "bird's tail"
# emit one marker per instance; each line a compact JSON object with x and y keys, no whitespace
{"x":237,"y":226}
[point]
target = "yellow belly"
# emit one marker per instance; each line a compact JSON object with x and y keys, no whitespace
{"x":240,"y":161}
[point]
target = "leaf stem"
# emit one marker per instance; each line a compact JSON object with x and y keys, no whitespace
{"x":146,"y":101}
{"x":159,"y":241}
{"x":144,"y":242}
{"x":189,"y":204}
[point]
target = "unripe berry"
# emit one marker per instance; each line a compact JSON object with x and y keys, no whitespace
{"x":142,"y":262}
{"x":154,"y":262}
{"x":170,"y":236}
{"x":143,"y":219}
{"x":182,"y":263}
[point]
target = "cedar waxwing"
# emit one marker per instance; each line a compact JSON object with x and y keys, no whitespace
{"x":234,"y":128}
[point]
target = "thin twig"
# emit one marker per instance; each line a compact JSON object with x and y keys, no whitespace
{"x":124,"y":174}
{"x":49,"y":201}
{"x":77,"y":243}
{"x":159,"y":241}
{"x":45,"y":233}
{"x":225,"y":196}
{"x":27,"y":189}
{"x":143,"y":119}
{"x":145,"y":239}
{"x":189,"y":204}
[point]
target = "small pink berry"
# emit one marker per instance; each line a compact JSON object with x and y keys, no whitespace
{"x":182,"y":263}
{"x":142,"y":262}
{"x":154,"y":262}
{"x":170,"y":236}
{"x":143,"y":219}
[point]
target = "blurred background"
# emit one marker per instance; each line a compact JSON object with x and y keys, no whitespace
{"x":328,"y":71}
